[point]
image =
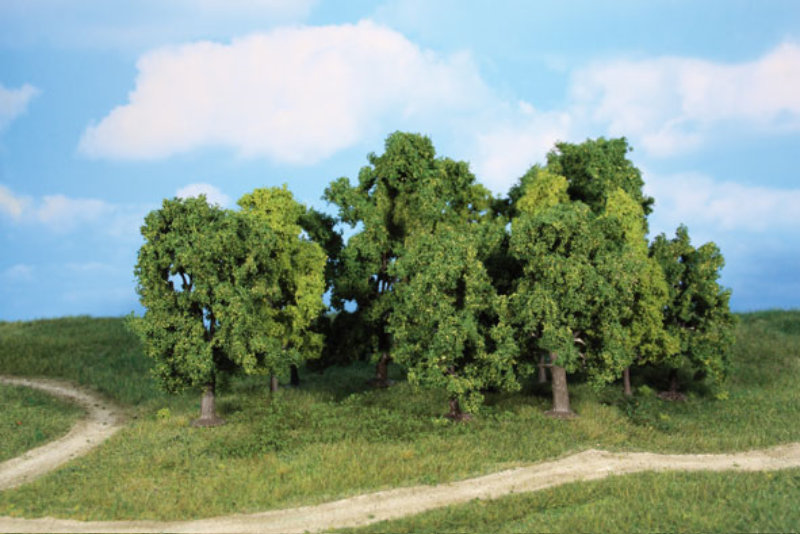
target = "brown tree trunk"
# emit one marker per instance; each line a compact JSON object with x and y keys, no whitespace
{"x":626,"y":381}
{"x":381,"y":379}
{"x":208,"y":409}
{"x":542,"y":370}
{"x":558,"y":376}
{"x":273,"y":383}
{"x":673,"y":381}
{"x":295,"y":378}
{"x":455,"y":412}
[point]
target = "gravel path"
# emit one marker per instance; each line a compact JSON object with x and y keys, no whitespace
{"x":392,"y":504}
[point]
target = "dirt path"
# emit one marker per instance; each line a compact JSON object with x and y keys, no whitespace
{"x":392,"y":504}
{"x":101,"y":421}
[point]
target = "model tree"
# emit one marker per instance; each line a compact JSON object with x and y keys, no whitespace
{"x":185,"y":283}
{"x":698,"y":314}
{"x":565,"y":305}
{"x":640,"y":285}
{"x":280,"y":285}
{"x":450,"y":326}
{"x":405,"y":192}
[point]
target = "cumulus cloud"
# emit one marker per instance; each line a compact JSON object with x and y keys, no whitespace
{"x":505,"y":151}
{"x":213,"y":194}
{"x":57,"y":212}
{"x":697,"y":199}
{"x":63,"y":213}
{"x":670,"y":104}
{"x":14,"y":102}
{"x":11,"y":204}
{"x":294,"y":95}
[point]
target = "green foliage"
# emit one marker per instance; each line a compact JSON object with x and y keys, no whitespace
{"x":404,"y":192}
{"x":450,"y":327}
{"x":595,"y":169}
{"x":565,"y":302}
{"x":195,"y":246}
{"x":280,"y":286}
{"x":697,"y":314}
{"x":225,"y":290}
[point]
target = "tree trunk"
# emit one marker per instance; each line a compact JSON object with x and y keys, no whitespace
{"x":208,"y":409}
{"x":273,"y":383}
{"x":558,"y":377}
{"x":381,"y":379}
{"x":295,"y":379}
{"x":673,"y":381}
{"x":626,"y":381}
{"x":542,"y":370}
{"x":455,"y":412}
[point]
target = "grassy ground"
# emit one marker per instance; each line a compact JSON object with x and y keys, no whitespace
{"x":335,"y":437}
{"x":30,"y":418}
{"x":645,"y":502}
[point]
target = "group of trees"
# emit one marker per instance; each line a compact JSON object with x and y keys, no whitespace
{"x":466,"y":291}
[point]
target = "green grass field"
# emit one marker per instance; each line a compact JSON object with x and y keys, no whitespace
{"x":335,"y":436}
{"x":30,"y":418}
{"x":644,"y":502}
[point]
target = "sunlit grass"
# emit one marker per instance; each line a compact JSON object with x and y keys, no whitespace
{"x":645,"y":502}
{"x":334,"y":436}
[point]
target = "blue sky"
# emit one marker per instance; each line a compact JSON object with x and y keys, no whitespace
{"x":106,"y":108}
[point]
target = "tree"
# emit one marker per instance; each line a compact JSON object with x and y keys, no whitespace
{"x":403,"y":193}
{"x":281,"y":286}
{"x":185,"y":279}
{"x":565,"y":305}
{"x":226,"y":290}
{"x":640,"y":286}
{"x":698,"y":314}
{"x":450,"y":326}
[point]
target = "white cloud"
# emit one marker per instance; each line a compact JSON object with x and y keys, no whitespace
{"x":59,"y":213}
{"x":670,"y":104}
{"x":213,"y":194}
{"x":699,"y":201}
{"x":11,"y":204}
{"x":62,"y":213}
{"x":294,"y":95}
{"x":18,"y":273}
{"x":14,"y":102}
{"x":506,"y":151}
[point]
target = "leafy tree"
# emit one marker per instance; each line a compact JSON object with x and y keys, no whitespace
{"x":698,"y":314}
{"x":450,"y":326}
{"x":226,"y":290}
{"x":185,"y":273}
{"x":565,"y":304}
{"x":403,"y":193}
{"x":281,"y":286}
{"x":641,"y":288}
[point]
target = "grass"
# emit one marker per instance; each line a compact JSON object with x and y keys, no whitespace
{"x":99,"y":353}
{"x":644,"y":502}
{"x":30,"y":418}
{"x":335,"y":437}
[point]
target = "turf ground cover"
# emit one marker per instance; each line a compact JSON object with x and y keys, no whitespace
{"x":644,"y":502}
{"x":334,"y":436}
{"x":30,"y":418}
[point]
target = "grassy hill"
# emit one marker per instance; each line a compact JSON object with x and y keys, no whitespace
{"x":334,"y":436}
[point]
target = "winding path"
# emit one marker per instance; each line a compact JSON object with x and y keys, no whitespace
{"x":392,"y":504}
